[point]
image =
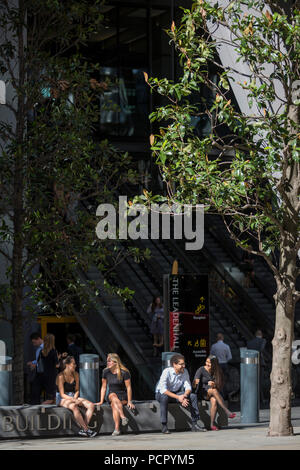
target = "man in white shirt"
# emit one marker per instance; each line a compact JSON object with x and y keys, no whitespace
{"x":174,"y":386}
{"x":222,"y":352}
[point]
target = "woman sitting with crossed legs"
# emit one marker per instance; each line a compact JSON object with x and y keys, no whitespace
{"x":210,"y":379}
{"x":117,"y":377}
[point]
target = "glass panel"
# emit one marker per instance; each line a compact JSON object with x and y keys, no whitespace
{"x":124,"y":106}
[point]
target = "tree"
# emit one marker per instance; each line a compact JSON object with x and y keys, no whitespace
{"x":51,"y":167}
{"x":246,"y":167}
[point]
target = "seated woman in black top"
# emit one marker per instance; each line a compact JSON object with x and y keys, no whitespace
{"x":208,"y":381}
{"x":67,"y":395}
{"x":117,"y":377}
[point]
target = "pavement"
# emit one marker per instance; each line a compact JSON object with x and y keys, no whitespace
{"x":236,"y":436}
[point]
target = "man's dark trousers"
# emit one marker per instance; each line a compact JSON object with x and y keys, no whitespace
{"x":164,"y":400}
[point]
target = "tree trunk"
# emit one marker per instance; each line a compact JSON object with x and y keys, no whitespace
{"x":18,"y":218}
{"x":280,"y":404}
{"x":281,"y":382}
{"x":18,"y":334}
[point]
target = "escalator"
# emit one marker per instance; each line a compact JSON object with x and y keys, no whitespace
{"x":234,"y":309}
{"x":113,"y":328}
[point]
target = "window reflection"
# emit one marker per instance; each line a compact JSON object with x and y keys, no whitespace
{"x":124,"y":106}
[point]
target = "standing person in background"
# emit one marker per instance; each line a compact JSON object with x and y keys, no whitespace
{"x":36,"y":384}
{"x":73,"y":349}
{"x":117,"y":378}
{"x":222,"y":351}
{"x":50,"y":366}
{"x":157,"y":324}
{"x":258,"y":344}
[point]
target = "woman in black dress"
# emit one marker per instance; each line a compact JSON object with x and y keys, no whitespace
{"x":208,"y":382}
{"x":117,"y":377}
{"x":50,"y":364}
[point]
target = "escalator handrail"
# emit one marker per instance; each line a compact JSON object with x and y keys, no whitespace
{"x":257,"y":312}
{"x":117,"y":331}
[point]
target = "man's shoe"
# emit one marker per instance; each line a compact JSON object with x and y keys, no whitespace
{"x":196,"y":428}
{"x":83,"y":433}
{"x":165,"y":430}
{"x":91,"y":433}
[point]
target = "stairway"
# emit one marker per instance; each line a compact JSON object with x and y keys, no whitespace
{"x":112,"y":328}
{"x":263,"y":285}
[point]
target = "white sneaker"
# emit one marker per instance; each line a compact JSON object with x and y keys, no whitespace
{"x":91,"y":433}
{"x":116,"y":433}
{"x":83,"y":433}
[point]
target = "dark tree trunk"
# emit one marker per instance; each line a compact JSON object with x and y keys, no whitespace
{"x":18,"y":218}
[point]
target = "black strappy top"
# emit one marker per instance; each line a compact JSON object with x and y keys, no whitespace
{"x":68,"y":387}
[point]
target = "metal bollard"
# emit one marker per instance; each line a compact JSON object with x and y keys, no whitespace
{"x":249,"y":385}
{"x":5,"y":381}
{"x":165,"y":358}
{"x":89,"y":377}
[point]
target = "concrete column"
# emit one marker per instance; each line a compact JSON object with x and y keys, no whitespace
{"x":249,"y":385}
{"x":89,"y":377}
{"x":5,"y":381}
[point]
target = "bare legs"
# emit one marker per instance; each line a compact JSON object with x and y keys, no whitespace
{"x":117,"y":409}
{"x":89,"y":409}
{"x":215,"y":400}
{"x":158,"y":341}
{"x":82,"y":421}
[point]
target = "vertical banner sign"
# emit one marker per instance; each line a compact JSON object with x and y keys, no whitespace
{"x":189,"y":318}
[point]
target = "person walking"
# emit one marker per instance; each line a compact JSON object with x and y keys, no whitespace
{"x":50,"y":364}
{"x":67,"y":395}
{"x":174,"y":386}
{"x":157,"y":324}
{"x":208,"y":382}
{"x":116,"y":377}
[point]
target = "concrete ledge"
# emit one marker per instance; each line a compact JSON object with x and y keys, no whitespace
{"x":53,"y":421}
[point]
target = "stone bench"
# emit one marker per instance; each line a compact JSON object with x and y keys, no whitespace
{"x":52,"y":421}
